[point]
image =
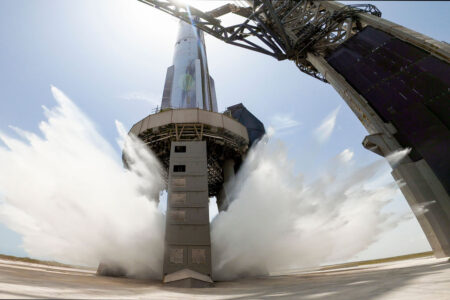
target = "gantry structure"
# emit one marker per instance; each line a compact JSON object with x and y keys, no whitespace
{"x":394,"y":79}
{"x":284,"y":29}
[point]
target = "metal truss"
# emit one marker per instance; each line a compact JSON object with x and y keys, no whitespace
{"x":221,"y":144}
{"x":283,"y":29}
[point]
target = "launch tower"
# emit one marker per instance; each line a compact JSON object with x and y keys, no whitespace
{"x":201,"y":150}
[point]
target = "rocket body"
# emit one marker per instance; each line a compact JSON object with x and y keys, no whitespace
{"x":188,"y":83}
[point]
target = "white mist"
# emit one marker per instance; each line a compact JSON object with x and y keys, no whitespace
{"x":69,"y":197}
{"x":71,"y":200}
{"x":278,"y":222}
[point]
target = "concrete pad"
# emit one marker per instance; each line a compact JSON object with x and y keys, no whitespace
{"x":425,"y":278}
{"x":195,"y":279}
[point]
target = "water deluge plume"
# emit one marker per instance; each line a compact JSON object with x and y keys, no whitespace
{"x":278,"y":222}
{"x":69,"y":197}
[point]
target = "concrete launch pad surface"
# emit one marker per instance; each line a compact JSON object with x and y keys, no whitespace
{"x":424,"y":278}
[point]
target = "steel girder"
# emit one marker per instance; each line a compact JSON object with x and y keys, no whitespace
{"x":284,"y":29}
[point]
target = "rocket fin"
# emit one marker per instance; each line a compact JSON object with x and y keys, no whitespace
{"x":198,"y":85}
{"x":165,"y":103}
{"x":213,"y":95}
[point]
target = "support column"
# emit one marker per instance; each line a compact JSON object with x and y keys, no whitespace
{"x":422,"y":190}
{"x":187,"y":254}
{"x":223,"y":199}
{"x":421,"y":184}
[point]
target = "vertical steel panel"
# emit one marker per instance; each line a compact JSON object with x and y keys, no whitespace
{"x":405,"y":86}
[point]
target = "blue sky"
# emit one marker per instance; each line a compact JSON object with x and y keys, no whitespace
{"x":110,"y":57}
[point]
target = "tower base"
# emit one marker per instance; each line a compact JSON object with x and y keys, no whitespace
{"x":188,"y":279}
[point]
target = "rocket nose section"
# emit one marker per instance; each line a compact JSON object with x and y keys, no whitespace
{"x":187,"y":31}
{"x":188,"y":83}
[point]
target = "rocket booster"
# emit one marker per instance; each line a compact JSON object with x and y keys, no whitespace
{"x":188,"y":83}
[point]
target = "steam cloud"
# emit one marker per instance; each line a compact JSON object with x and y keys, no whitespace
{"x":69,"y":197}
{"x":277,"y":221}
{"x":324,"y":131}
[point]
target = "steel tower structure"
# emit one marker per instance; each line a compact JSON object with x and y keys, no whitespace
{"x":200,"y":149}
{"x":395,"y":80}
